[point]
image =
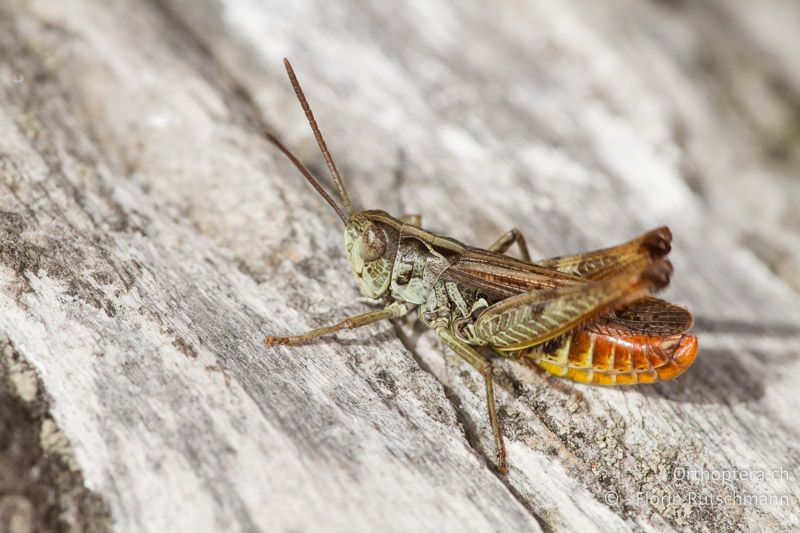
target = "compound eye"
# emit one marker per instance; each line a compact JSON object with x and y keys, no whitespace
{"x":373,"y":243}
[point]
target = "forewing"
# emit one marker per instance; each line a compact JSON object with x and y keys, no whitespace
{"x":499,"y":276}
{"x":504,"y":278}
{"x":650,"y":316}
{"x":609,"y":262}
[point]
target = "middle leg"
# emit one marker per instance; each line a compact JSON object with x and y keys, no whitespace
{"x":482,"y":365}
{"x":512,"y":236}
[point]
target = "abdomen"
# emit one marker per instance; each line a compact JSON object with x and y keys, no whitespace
{"x":590,"y":357}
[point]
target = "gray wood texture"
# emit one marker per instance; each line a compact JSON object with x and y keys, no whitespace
{"x":149,"y":238}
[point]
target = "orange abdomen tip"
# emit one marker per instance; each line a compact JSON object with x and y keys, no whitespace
{"x":681,"y":351}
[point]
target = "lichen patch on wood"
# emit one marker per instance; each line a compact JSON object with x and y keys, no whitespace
{"x":41,"y":486}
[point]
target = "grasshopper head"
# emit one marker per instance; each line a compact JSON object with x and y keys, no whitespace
{"x":370,"y":248}
{"x":370,"y":254}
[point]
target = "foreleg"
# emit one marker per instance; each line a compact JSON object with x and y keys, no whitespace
{"x":395,"y":309}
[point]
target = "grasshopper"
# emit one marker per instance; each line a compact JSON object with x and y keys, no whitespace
{"x":588,"y":317}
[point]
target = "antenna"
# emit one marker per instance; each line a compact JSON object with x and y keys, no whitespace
{"x":303,"y":170}
{"x":320,"y":141}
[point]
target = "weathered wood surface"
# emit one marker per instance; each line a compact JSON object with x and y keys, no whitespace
{"x":149,"y":238}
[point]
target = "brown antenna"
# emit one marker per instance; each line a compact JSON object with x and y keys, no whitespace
{"x":304,"y":171}
{"x":320,"y":141}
